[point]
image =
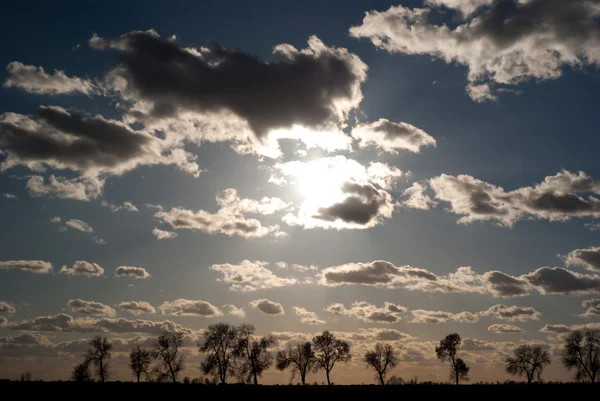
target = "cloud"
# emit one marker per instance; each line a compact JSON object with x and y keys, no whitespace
{"x":250,"y":276}
{"x":433,"y":317}
{"x":297,"y":267}
{"x":375,"y":334}
{"x":588,"y":258}
{"x":557,"y":280}
{"x":563,"y":328}
{"x":82,"y":268}
{"x":79,"y":225}
{"x":389,"y":313}
{"x":25,"y":345}
{"x":67,"y":324}
{"x":504,"y":328}
{"x":35,"y":80}
{"x":91,"y":308}
{"x":229,"y":219}
{"x":163,"y":234}
{"x":391,"y":137}
{"x":312,"y":88}
{"x":137,"y":307}
{"x":417,"y":198}
{"x":35,"y":266}
{"x":340,"y":193}
{"x":512,"y":313}
{"x":234,"y":311}
{"x":505,"y":44}
{"x":267,"y":307}
{"x":592,"y":308}
{"x":99,"y":241}
{"x":125,"y":205}
{"x":5,"y":307}
{"x":132,"y":271}
{"x":3,"y":321}
{"x":307,"y":316}
{"x":186,"y":307}
{"x":557,"y":198}
{"x":9,"y":196}
{"x":79,"y":188}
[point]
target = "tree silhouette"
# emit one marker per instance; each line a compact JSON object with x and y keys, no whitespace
{"x":167,"y":351}
{"x":328,"y":351}
{"x":81,"y":372}
{"x":139,"y":361}
{"x":98,"y":353}
{"x":381,"y":358}
{"x":300,"y":358}
{"x":221,"y":345}
{"x":446,"y":351}
{"x":256,"y":354}
{"x":582,"y":352}
{"x":528,"y":361}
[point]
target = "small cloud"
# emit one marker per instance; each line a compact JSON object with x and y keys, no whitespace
{"x":163,"y":234}
{"x":10,"y":196}
{"x":267,"y":307}
{"x":99,"y":241}
{"x":132,"y":271}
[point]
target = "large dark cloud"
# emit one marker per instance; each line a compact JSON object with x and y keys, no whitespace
{"x":361,"y":207}
{"x":512,"y":313}
{"x":557,"y":280}
{"x":310,"y":87}
{"x":505,"y":43}
{"x":589,"y":258}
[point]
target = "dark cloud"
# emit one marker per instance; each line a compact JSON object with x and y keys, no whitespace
{"x":433,"y":317}
{"x":309,"y":88}
{"x":91,"y":308}
{"x":504,"y":285}
{"x":589,"y":258}
{"x":267,"y":307}
{"x":132,"y":271}
{"x":5,"y":307}
{"x":512,"y":313}
{"x":361,"y":207}
{"x":508,"y":42}
{"x":137,"y":307}
{"x":557,"y":280}
{"x":470,"y":344}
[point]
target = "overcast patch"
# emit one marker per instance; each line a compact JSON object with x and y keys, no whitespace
{"x":267,"y":307}
{"x":250,"y":276}
{"x":507,"y":43}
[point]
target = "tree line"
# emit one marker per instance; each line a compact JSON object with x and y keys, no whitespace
{"x":237,"y":352}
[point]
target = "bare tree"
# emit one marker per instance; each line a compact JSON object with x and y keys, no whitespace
{"x":300,"y":358}
{"x":26,"y":377}
{"x":98,"y":353}
{"x":529,"y":361}
{"x":139,"y":361}
{"x":256,"y":354}
{"x":328,"y":351}
{"x":381,"y":358}
{"x":81,"y":372}
{"x":167,"y":351}
{"x":582,"y":352}
{"x":221,"y":345}
{"x":446,"y":351}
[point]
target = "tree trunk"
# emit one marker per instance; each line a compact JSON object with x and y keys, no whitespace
{"x":381,"y":379}
{"x":529,"y":377}
{"x":172,"y":374}
{"x":138,"y":376}
{"x":456,"y":374}
{"x":101,"y":372}
{"x":328,"y":381}
{"x":255,"y":379}
{"x":303,"y":377}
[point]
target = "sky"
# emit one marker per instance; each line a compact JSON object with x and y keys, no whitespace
{"x":388,"y":171}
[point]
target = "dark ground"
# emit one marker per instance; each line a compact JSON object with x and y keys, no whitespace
{"x":289,"y":393}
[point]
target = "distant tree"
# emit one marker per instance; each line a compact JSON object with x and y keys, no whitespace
{"x":395,"y":381}
{"x":221,"y":346}
{"x":187,"y":380}
{"x":328,"y":351}
{"x":381,"y":358}
{"x":300,"y":358}
{"x":582,"y":352}
{"x":256,"y":356}
{"x":81,"y":372}
{"x":446,"y":352}
{"x":98,"y":353}
{"x":529,"y":361}
{"x":26,"y":377}
{"x":139,"y":361}
{"x":167,"y":351}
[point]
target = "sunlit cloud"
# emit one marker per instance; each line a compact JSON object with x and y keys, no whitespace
{"x":307,"y":317}
{"x":82,"y":268}
{"x":187,"y":307}
{"x":267,"y":307}
{"x":91,"y":308}
{"x":250,"y":276}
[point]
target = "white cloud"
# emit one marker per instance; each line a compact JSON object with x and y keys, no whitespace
{"x":91,"y":308}
{"x":433,"y":317}
{"x":80,"y":188}
{"x":505,"y":44}
{"x":512,"y":313}
{"x":79,"y":225}
{"x":417,"y":198}
{"x":234,"y":311}
{"x":389,"y":313}
{"x":137,"y":307}
{"x":391,"y":137}
{"x":504,"y":328}
{"x":251,"y":276}
{"x":163,"y":234}
{"x":267,"y":307}
{"x":307,"y":316}
{"x":125,"y":205}
{"x":592,"y":307}
{"x":35,"y":266}
{"x":82,"y":268}
{"x":34,"y":79}
{"x":5,"y":307}
{"x":187,"y":307}
{"x":132,"y":271}
{"x":99,"y":241}
{"x":9,"y":196}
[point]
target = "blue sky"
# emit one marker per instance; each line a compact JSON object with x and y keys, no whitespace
{"x":475,"y":161}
